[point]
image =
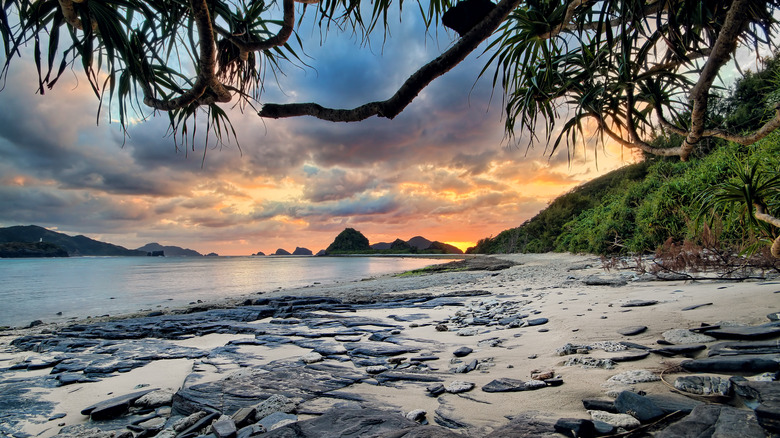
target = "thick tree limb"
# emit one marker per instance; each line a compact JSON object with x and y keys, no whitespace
{"x":734,"y":24}
{"x":763,"y":216}
{"x":207,"y":67}
{"x":413,"y":85}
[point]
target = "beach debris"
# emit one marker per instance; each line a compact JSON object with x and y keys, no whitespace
{"x":695,"y":306}
{"x":685,"y":336}
{"x":609,"y":346}
{"x":632,"y":330}
{"x":590,"y":362}
{"x":704,"y":385}
{"x":639,"y":303}
{"x":569,"y":348}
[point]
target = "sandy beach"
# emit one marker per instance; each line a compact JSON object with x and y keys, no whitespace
{"x":545,"y":286}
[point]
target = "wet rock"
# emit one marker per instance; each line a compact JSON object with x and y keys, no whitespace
{"x":704,"y":385}
{"x":764,"y":396}
{"x":244,"y":417}
{"x":715,"y":421}
{"x":731,"y":364}
{"x":639,"y":407}
{"x":670,"y":403}
{"x":685,"y":336}
{"x":632,"y":330}
{"x":376,"y":350}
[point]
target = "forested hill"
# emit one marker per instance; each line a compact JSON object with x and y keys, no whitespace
{"x":635,"y":209}
{"x":74,"y":245}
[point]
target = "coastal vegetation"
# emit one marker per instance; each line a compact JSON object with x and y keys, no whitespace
{"x":710,"y":201}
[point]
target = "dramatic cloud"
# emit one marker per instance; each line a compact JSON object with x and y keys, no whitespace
{"x":442,"y":169}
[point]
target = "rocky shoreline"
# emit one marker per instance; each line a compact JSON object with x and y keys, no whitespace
{"x":545,"y":345}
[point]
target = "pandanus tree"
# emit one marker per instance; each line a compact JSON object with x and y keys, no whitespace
{"x":622,"y":69}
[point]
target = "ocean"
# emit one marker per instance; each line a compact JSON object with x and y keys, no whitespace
{"x":61,"y":289}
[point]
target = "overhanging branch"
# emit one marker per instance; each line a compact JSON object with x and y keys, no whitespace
{"x":411,"y":88}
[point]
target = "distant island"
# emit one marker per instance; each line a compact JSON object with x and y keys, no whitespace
{"x":351,"y":241}
{"x":35,"y":241}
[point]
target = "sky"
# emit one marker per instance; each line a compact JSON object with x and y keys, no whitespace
{"x":442,"y":169}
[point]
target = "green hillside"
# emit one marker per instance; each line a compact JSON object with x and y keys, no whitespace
{"x":639,"y":207}
{"x":74,"y":245}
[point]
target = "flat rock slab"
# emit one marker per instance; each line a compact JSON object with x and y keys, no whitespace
{"x":632,"y":330}
{"x":676,"y":350}
{"x":350,"y":422}
{"x":114,"y":407}
{"x":733,"y":364}
{"x":365,"y":349}
{"x":639,"y":303}
{"x":744,"y":347}
{"x":536,"y":321}
{"x":695,"y":306}
{"x":715,"y":421}
{"x":745,"y":333}
{"x":630,"y":356}
{"x":504,"y":385}
{"x":291,"y":379}
{"x":639,"y":407}
{"x":685,"y":336}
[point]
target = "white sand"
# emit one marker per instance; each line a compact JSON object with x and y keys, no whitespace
{"x":574,"y":311}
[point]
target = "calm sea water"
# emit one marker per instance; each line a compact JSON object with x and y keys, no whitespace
{"x":78,"y":287}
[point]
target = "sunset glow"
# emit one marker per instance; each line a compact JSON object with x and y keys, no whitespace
{"x":442,"y":169}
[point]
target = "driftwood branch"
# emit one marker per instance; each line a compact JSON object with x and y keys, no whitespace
{"x":411,"y":88}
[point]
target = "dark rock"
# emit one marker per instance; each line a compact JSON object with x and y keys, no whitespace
{"x":629,"y":356}
{"x":244,"y":416}
{"x":593,"y":404}
{"x":504,"y":385}
{"x":634,"y":345}
{"x":745,"y":333}
{"x":536,"y":321}
{"x":639,"y":407}
{"x":553,"y":382}
{"x":114,"y":407}
{"x":632,"y":330}
{"x":764,"y":393}
{"x":378,"y":350}
{"x":603,"y":428}
{"x":575,"y":427}
{"x":272,"y":421}
{"x":596,"y":280}
{"x":695,"y":306}
{"x":198,"y":425}
{"x":670,"y":403}
{"x":674,"y":350}
{"x":743,"y":347}
{"x":359,"y":423}
{"x":774,"y":316}
{"x":731,"y":364}
{"x":224,"y":428}
{"x":715,"y":421}
{"x":639,"y":303}
{"x":523,"y":426}
{"x":436,"y":390}
{"x":462,"y":351}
